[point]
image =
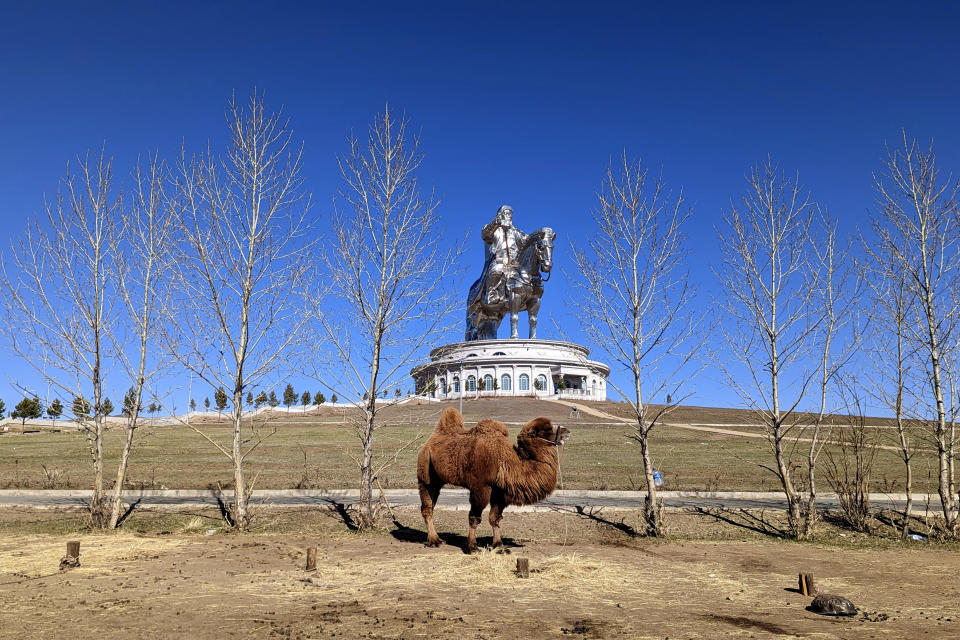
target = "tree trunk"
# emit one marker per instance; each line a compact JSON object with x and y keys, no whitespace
{"x":117,"y":502}
{"x":951,"y":449}
{"x":97,"y":506}
{"x":651,"y":505}
{"x":367,"y":519}
{"x":240,"y":515}
{"x":369,"y":427}
{"x":908,"y":489}
{"x":810,"y":514}
{"x":943,"y":484}
{"x":786,"y":481}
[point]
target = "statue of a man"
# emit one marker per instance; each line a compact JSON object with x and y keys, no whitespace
{"x":502,"y":245}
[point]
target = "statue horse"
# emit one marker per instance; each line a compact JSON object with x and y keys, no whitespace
{"x":519,"y":289}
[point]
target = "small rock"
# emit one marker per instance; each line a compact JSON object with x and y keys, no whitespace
{"x":830,"y":605}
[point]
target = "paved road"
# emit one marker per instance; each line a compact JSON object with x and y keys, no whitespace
{"x":453,"y":499}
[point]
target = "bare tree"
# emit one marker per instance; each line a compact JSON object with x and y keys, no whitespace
{"x":57,"y":298}
{"x":850,"y":459}
{"x":894,"y":355}
{"x":632,"y":297}
{"x":244,"y":256}
{"x":918,"y":224}
{"x":833,"y":303}
{"x":143,"y":249}
{"x":769,"y":285}
{"x":391,"y":274}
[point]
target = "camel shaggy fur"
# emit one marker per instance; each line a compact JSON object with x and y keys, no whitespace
{"x":483,"y":460}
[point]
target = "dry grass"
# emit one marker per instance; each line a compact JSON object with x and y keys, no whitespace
{"x":40,"y":555}
{"x":319,"y":451}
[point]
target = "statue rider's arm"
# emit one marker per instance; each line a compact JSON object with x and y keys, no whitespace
{"x":488,"y":231}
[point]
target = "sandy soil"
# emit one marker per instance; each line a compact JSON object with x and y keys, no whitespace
{"x":592,"y":578}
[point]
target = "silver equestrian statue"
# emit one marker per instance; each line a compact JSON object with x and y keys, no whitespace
{"x":511,"y":281}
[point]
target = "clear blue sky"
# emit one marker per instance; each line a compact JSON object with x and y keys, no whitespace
{"x":520,"y":105}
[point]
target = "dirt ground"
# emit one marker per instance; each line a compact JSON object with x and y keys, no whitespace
{"x":181,"y":575}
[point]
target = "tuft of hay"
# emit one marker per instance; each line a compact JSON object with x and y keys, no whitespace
{"x":568,"y":573}
{"x":193,"y":525}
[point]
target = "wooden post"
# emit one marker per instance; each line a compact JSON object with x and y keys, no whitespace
{"x":311,"y":558}
{"x":72,"y":559}
{"x":523,"y":567}
{"x":807,"y":585}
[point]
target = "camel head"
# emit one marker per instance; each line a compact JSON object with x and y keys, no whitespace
{"x":541,"y":429}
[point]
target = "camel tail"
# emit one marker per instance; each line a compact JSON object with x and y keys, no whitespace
{"x":451,"y":423}
{"x":423,"y":466}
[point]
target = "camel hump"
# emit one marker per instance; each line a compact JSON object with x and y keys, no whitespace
{"x":491,"y":426}
{"x":451,"y":422}
{"x":538,"y":423}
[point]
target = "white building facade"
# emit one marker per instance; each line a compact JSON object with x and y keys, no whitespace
{"x":505,"y":368}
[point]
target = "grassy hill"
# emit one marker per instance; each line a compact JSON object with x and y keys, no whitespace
{"x":319,"y":449}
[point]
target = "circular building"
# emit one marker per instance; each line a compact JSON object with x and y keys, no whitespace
{"x":512,"y":367}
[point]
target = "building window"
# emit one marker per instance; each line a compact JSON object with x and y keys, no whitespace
{"x":488,"y":382}
{"x":505,"y":382}
{"x":499,"y":353}
{"x":456,"y":384}
{"x":542,"y":382}
{"x":443,"y":387}
{"x":471,"y":384}
{"x":524,"y":382}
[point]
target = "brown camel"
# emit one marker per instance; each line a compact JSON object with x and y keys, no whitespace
{"x":483,"y":460}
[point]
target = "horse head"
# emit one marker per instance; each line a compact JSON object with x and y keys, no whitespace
{"x":543,"y":250}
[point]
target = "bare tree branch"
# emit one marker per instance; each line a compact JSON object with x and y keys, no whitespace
{"x":241,"y":269}
{"x":917,"y":229}
{"x":632,"y":296}
{"x":389,"y":272}
{"x":58,"y":294}
{"x":769,"y":284}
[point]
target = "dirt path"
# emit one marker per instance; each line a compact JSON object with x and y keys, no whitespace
{"x":709,"y":429}
{"x":589,"y":580}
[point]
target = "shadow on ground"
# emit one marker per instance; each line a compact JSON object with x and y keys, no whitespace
{"x":744,"y":519}
{"x":404,"y":533}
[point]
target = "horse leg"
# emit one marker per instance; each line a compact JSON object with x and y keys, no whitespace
{"x":514,"y":318}
{"x":479,"y":499}
{"x":498,"y":503}
{"x":428,"y":498}
{"x":532,"y":310}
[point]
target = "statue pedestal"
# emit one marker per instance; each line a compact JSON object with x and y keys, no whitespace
{"x":511,"y":368}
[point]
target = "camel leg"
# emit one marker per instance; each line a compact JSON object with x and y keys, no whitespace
{"x":479,"y":499}
{"x":428,"y":498}
{"x":498,"y":503}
